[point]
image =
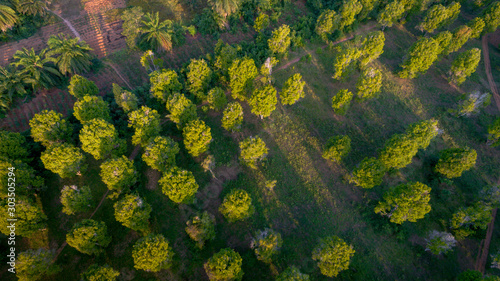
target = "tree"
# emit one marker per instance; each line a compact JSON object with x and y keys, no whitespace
{"x":179,"y":185}
{"x":252,"y":150}
{"x":33,"y":265}
{"x":27,"y":183}
{"x":237,"y":206}
{"x":150,"y":63}
{"x":372,"y":47}
{"x":164,"y":83}
{"x":157,"y":34}
{"x":216,"y":99}
{"x":199,"y":75}
{"x":31,"y":7}
{"x":152,"y":253}
{"x":337,"y":147}
{"x":76,"y":200}
{"x":470,"y":275}
{"x":280,"y":40}
{"x":343,"y":60}
{"x":232,"y":117}
{"x":369,"y":173}
{"x":495,"y":263}
{"x":131,"y":25}
{"x":133,"y":212}
{"x":333,"y":255}
{"x":440,"y":242}
{"x":182,"y":110}
{"x":71,"y":55}
{"x":460,"y":36}
{"x":89,"y":237}
{"x":464,"y":65}
{"x":29,"y":217}
{"x":8,"y":17}
{"x":406,"y":202}
{"x":66,"y":160}
{"x":13,"y":146}
{"x":293,"y":89}
{"x":490,"y":195}
{"x":38,"y":69}
{"x":48,"y":127}
{"x":146,"y":124}
{"x":90,"y":107}
{"x":80,"y":87}
{"x":12,"y":84}
{"x":261,"y":22}
{"x":326,"y":23}
{"x":472,"y":104}
{"x":423,"y":132}
{"x":201,"y":228}
{"x":118,"y":174}
{"x":197,"y":137}
{"x":241,"y":75}
{"x":100,"y":139}
{"x":348,"y":12}
{"x":494,"y":133}
{"x":420,"y":57}
{"x":292,"y":274}
{"x":454,"y":161}
{"x":100,"y":273}
{"x":224,"y":265}
{"x":266,"y":244}
{"x":443,"y":39}
{"x":369,"y":83}
{"x":391,"y":13}
{"x":399,"y":151}
{"x":160,"y":153}
{"x":125,"y":99}
{"x":477,"y":27}
{"x":224,"y":7}
{"x":465,"y":220}
{"x":435,"y":18}
{"x":491,"y":17}
{"x":225,"y":55}
{"x":263,"y":101}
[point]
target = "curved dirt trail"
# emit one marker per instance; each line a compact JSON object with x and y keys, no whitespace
{"x":482,"y":256}
{"x":487,"y":66}
{"x":70,"y":26}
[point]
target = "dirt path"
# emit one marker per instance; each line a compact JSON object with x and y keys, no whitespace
{"x":119,"y":74}
{"x":482,"y":256}
{"x":487,"y":66}
{"x":70,"y":26}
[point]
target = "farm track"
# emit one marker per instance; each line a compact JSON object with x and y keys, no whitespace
{"x":487,"y":66}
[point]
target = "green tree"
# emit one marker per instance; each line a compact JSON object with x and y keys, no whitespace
{"x":372,"y":47}
{"x":225,"y":55}
{"x":125,"y":99}
{"x":443,"y":39}
{"x":343,"y":60}
{"x":33,"y":265}
{"x":435,"y":18}
{"x":391,"y":13}
{"x":420,"y":57}
{"x":405,"y":202}
{"x":337,"y":148}
{"x":454,"y":161}
{"x":280,"y":40}
{"x":13,"y":145}
{"x":241,"y":75}
{"x":133,"y":212}
{"x":369,"y":173}
{"x":464,"y":65}
{"x":182,"y":110}
{"x":96,"y":272}
{"x":341,"y":101}
{"x":80,"y":87}
{"x":90,"y":107}
{"x":237,"y":206}
{"x":293,"y":89}
{"x":71,"y":55}
{"x":398,"y":151}
{"x":333,"y":255}
{"x":466,"y":220}
{"x":470,"y":275}
{"x":157,"y":34}
{"x":179,"y":185}
{"x":348,"y":12}
{"x":423,"y":132}
{"x":252,"y":150}
{"x":150,"y":63}
{"x":12,"y":84}
{"x":152,"y":253}
{"x":199,"y":75}
{"x":494,"y":133}
{"x":460,"y":36}
{"x":27,"y":183}
{"x":164,"y":83}
{"x":261,"y":22}
{"x":201,"y":228}
{"x":369,"y":83}
{"x":66,"y":160}
{"x":160,"y":153}
{"x":491,"y":17}
{"x":76,"y":200}
{"x":440,"y":242}
{"x":266,"y":244}
{"x":131,"y":25}
{"x":224,"y":265}
{"x":326,"y":23}
{"x":197,"y":137}
{"x":292,"y":274}
{"x":224,"y":7}
{"x":477,"y":26}
{"x":8,"y":17}
{"x":368,"y":7}
{"x":31,"y":7}
{"x":38,"y":68}
{"x":49,"y":127}
{"x":232,"y":117}
{"x":100,"y":139}
{"x":146,"y":124}
{"x":118,"y":174}
{"x":216,"y":99}
{"x":89,"y":237}
{"x":263,"y":101}
{"x":30,"y":217}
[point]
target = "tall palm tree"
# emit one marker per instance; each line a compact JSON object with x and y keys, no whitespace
{"x":71,"y":55}
{"x":8,"y":17}
{"x":157,"y":34}
{"x":11,"y":85}
{"x":39,"y":69}
{"x":31,"y":7}
{"x":225,"y":7}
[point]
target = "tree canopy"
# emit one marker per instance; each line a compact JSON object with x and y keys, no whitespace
{"x":224,"y":265}
{"x":199,"y":75}
{"x":96,"y":272}
{"x":30,"y":217}
{"x":280,"y":40}
{"x":232,"y":117}
{"x":201,"y":228}
{"x":125,"y":99}
{"x":89,"y":237}
{"x":372,"y":47}
{"x":179,"y":185}
{"x":292,"y":274}
{"x":341,"y":101}
{"x":391,"y":13}
{"x":464,"y":65}
{"x":337,"y":147}
{"x":252,"y":150}
{"x":100,"y":139}
{"x":146,"y":124}
{"x":197,"y":137}
{"x":152,"y":253}
{"x":421,"y":56}
{"x":369,"y":173}
{"x":33,"y":265}
{"x":266,"y":244}
{"x":333,"y":255}
{"x":494,"y":133}
{"x":71,"y":54}
{"x":182,"y":110}
{"x":369,"y":83}
{"x":160,"y":153}
{"x":80,"y":87}
{"x":241,"y":75}
{"x":237,"y":205}
{"x":27,"y":182}
{"x":90,"y":107}
{"x":49,"y":127}
{"x":216,"y":98}
{"x":76,"y":200}
{"x":293,"y":90}
{"x":454,"y":161}
{"x":164,"y":83}
{"x":133,"y":212}
{"x":118,"y":174}
{"x":66,"y":160}
{"x":263,"y":101}
{"x":440,"y":242}
{"x":13,"y":145}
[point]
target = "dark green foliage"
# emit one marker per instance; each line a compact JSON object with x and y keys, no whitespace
{"x":326,"y":23}
{"x":369,"y":84}
{"x":33,"y":265}
{"x":199,"y":75}
{"x":348,"y":12}
{"x":464,"y":65}
{"x":420,"y":57}
{"x":491,"y":17}
{"x":438,"y":16}
{"x":48,"y":127}
{"x":155,"y":34}
{"x":72,"y":55}
{"x":160,"y":153}
{"x":208,"y":22}
{"x":90,"y":107}
{"x":182,"y":110}
{"x":164,"y":83}
{"x":369,"y":173}
{"x":76,"y":200}
{"x":133,"y":212}
{"x":179,"y":185}
{"x":197,"y":137}
{"x":494,"y":133}
{"x":225,"y":56}
{"x":224,"y":265}
{"x":252,"y":150}
{"x":237,"y":206}
{"x":263,"y":101}
{"x":444,"y":40}
{"x":337,"y":148}
{"x":372,"y":47}
{"x":241,"y":74}
{"x":477,"y":26}
{"x":292,"y":274}
{"x":27,"y":183}
{"x":465,"y":220}
{"x":146,"y":124}
{"x":38,"y":69}
{"x":460,"y":36}
{"x":79,"y":87}
{"x":12,"y":85}
{"x":152,"y":253}
{"x":391,"y":13}
{"x":96,"y":272}
{"x":100,"y":139}
{"x":125,"y":99}
{"x":341,"y":101}
{"x":13,"y":146}
{"x":232,"y":116}
{"x":266,"y":244}
{"x":470,"y":275}
{"x":131,"y":23}
{"x":118,"y":174}
{"x":89,"y":237}
{"x":201,"y":228}
{"x":30,"y":217}
{"x":333,"y":255}
{"x":64,"y":159}
{"x":216,"y":99}
{"x":454,"y":161}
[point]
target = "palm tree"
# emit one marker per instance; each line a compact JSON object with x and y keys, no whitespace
{"x":11,"y":85}
{"x":225,"y":7}
{"x":157,"y":34}
{"x":38,"y":69}
{"x":71,"y":55}
{"x":8,"y":17}
{"x":32,"y":7}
